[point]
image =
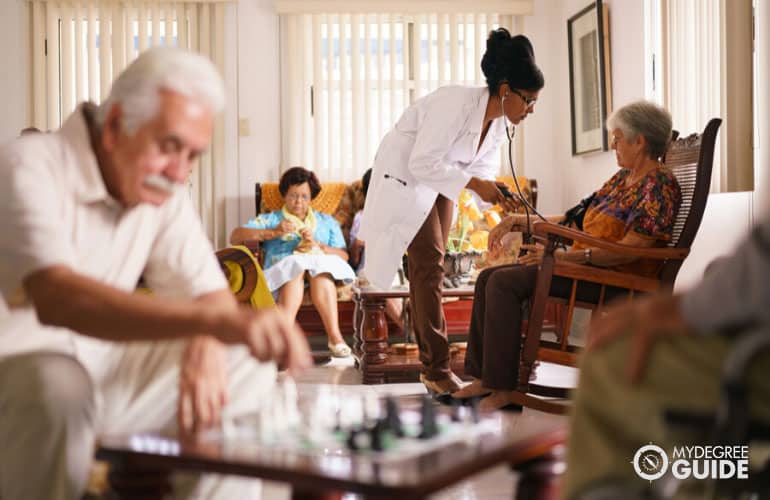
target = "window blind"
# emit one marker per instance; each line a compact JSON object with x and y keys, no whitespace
{"x":349,"y":76}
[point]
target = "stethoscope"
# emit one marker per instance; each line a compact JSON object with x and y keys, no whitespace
{"x":510,"y":132}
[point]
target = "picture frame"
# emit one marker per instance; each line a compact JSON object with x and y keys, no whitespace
{"x":589,"y":78}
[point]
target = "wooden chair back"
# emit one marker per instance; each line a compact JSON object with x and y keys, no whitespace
{"x":691,"y":159}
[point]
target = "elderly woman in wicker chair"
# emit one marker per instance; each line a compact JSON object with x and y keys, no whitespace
{"x":301,"y":244}
{"x":637,"y":206}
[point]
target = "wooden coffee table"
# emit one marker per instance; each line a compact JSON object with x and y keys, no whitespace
{"x":530,"y":442}
{"x":375,"y":357}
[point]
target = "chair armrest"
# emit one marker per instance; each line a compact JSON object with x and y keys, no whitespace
{"x":550,"y":230}
{"x":253,"y":246}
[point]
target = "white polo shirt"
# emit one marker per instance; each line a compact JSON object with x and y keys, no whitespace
{"x":55,"y":210}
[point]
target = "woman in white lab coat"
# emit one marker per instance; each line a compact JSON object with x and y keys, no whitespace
{"x":444,"y":142}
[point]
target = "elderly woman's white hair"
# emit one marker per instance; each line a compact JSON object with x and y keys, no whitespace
{"x":644,"y":118}
{"x":137,"y":88}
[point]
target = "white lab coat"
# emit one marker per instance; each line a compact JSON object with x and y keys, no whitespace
{"x":431,"y":150}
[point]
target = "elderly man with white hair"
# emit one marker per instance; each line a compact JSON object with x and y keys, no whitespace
{"x":86,"y":210}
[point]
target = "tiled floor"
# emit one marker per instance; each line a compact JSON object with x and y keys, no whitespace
{"x":494,"y":484}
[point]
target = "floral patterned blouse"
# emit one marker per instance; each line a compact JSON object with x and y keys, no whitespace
{"x":648,"y":208}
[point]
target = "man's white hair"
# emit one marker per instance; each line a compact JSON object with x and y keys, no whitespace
{"x":137,"y":88}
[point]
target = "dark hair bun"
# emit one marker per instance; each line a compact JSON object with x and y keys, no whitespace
{"x":512,"y":60}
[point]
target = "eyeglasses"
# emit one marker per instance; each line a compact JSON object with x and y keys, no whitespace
{"x":529,"y":101}
{"x":298,"y":197}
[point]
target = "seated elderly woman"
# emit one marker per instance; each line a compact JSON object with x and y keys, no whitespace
{"x":637,"y":206}
{"x":300,"y":243}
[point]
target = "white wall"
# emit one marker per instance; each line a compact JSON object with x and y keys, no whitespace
{"x":258,"y":84}
{"x":14,"y":59}
{"x":565,"y":179}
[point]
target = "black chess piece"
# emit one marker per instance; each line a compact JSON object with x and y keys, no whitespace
{"x":392,"y":417}
{"x":376,"y":432}
{"x":456,"y":414}
{"x":428,"y":420}
{"x":475,"y":410}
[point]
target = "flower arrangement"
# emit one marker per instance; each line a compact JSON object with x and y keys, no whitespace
{"x":471,"y":230}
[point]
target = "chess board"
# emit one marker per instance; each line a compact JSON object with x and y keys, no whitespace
{"x":335,"y":423}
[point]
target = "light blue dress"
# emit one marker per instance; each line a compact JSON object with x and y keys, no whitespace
{"x":281,"y":264}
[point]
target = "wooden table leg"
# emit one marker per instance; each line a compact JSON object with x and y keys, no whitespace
{"x":298,"y":494}
{"x":358,"y":317}
{"x":130,"y":480}
{"x":374,"y":337}
{"x":540,"y":479}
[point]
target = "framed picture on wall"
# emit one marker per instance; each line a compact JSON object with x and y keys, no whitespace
{"x":589,"y":77}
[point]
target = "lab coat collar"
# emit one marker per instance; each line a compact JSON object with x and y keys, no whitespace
{"x":479,"y":108}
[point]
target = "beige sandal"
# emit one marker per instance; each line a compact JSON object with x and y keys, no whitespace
{"x":340,"y":350}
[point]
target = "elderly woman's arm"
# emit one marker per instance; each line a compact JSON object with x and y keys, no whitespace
{"x":243,"y":234}
{"x":606,"y":258}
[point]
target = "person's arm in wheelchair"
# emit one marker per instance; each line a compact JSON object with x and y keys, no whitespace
{"x":734,"y":294}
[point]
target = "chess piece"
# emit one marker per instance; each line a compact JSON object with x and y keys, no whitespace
{"x":376,"y":436}
{"x":359,"y":439}
{"x":428,"y":418}
{"x":456,"y":414}
{"x":392,"y":418}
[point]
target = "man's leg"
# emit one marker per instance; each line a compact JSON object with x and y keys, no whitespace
{"x":46,"y":427}
{"x":141,"y":395}
{"x":612,"y":418}
{"x":426,"y":274}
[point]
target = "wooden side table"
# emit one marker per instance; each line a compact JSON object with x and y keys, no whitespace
{"x":376,"y":360}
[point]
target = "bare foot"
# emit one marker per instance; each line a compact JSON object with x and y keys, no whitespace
{"x":472,"y":390}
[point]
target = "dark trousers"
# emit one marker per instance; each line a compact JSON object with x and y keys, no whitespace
{"x":494,"y":340}
{"x":426,"y":275}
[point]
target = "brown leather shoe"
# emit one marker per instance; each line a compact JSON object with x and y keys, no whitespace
{"x":446,"y":385}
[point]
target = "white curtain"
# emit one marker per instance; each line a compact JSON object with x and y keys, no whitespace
{"x":349,"y":76}
{"x":78,"y":47}
{"x":692,"y":41}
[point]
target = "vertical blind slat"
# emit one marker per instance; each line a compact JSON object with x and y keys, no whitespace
{"x":81,"y":53}
{"x":454,"y":62}
{"x":368,"y":126}
{"x":407,"y":74}
{"x":52,"y":67}
{"x":39,"y":107}
{"x":317,"y":91}
{"x":329,"y":164}
{"x":181,"y":26}
{"x":359,"y":94}
{"x":105,"y":53}
{"x":308,"y":145}
{"x":67,"y":61}
{"x":356,"y":100}
{"x":345,"y":161}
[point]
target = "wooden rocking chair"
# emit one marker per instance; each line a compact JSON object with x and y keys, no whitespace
{"x":691,"y":160}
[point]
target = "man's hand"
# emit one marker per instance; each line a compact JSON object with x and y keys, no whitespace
{"x":202,"y":384}
{"x":270,"y":334}
{"x":647,"y":320}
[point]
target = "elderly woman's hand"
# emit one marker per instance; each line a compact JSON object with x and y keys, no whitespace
{"x":285,"y":227}
{"x":533,"y":256}
{"x":307,"y":235}
{"x":494,"y":243}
